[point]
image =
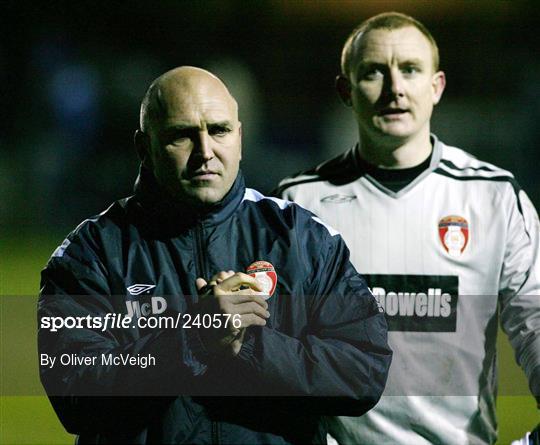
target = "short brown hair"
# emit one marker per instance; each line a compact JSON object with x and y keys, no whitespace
{"x":390,"y":21}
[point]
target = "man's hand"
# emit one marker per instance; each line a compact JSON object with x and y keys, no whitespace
{"x":230,"y":293}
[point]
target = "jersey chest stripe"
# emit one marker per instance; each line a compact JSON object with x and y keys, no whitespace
{"x":453,"y":166}
{"x":508,"y":179}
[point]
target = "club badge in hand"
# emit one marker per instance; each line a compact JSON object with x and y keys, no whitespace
{"x":237,"y":297}
{"x":265,"y":273}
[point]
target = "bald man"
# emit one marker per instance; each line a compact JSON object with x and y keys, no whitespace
{"x":225,"y":293}
{"x":179,"y":105}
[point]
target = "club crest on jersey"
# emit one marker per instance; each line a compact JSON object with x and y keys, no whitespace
{"x":454,"y":234}
{"x":266,"y":275}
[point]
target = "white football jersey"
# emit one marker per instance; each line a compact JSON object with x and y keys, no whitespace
{"x":445,"y":257}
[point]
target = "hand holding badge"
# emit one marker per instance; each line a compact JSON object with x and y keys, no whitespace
{"x":266,"y":275}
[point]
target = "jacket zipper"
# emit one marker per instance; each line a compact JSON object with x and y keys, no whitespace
{"x":203,"y":273}
{"x":200,"y":252}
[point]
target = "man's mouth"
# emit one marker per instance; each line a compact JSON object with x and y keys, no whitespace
{"x":391,"y":111}
{"x":203,"y":175}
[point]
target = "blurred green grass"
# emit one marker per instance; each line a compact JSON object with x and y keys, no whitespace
{"x":31,"y":419}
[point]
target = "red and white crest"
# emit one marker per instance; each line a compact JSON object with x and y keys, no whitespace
{"x":266,"y":275}
{"x":454,"y":234}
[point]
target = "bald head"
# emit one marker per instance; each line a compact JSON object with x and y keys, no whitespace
{"x":178,"y":86}
{"x":190,"y":136}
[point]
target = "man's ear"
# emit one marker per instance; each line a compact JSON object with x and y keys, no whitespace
{"x":142,"y":145}
{"x":343,"y":88}
{"x":240,"y":135}
{"x":438,"y":83}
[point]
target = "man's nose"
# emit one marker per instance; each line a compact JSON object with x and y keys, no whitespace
{"x":395,"y":85}
{"x":203,"y":146}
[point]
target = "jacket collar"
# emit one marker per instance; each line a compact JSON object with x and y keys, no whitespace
{"x":159,"y":211}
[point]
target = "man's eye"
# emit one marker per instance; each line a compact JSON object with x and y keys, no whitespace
{"x":172,"y":139}
{"x":179,"y":138}
{"x":219,"y":131}
{"x":372,"y":74}
{"x":410,"y":70}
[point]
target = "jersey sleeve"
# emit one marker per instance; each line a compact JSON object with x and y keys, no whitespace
{"x":342,"y":358}
{"x":75,"y":284}
{"x":520,"y":287}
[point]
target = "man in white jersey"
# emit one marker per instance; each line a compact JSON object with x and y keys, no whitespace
{"x":447,"y":243}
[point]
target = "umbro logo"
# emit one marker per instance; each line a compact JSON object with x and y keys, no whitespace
{"x":338,"y":199}
{"x":137,"y":289}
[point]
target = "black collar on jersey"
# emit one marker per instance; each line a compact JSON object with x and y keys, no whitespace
{"x":397,"y":182}
{"x":346,"y":168}
{"x":349,"y":166}
{"x":161,"y":214}
{"x":394,"y":179}
{"x":338,"y":171}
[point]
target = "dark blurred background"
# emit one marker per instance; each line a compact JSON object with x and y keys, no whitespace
{"x":73,"y":74}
